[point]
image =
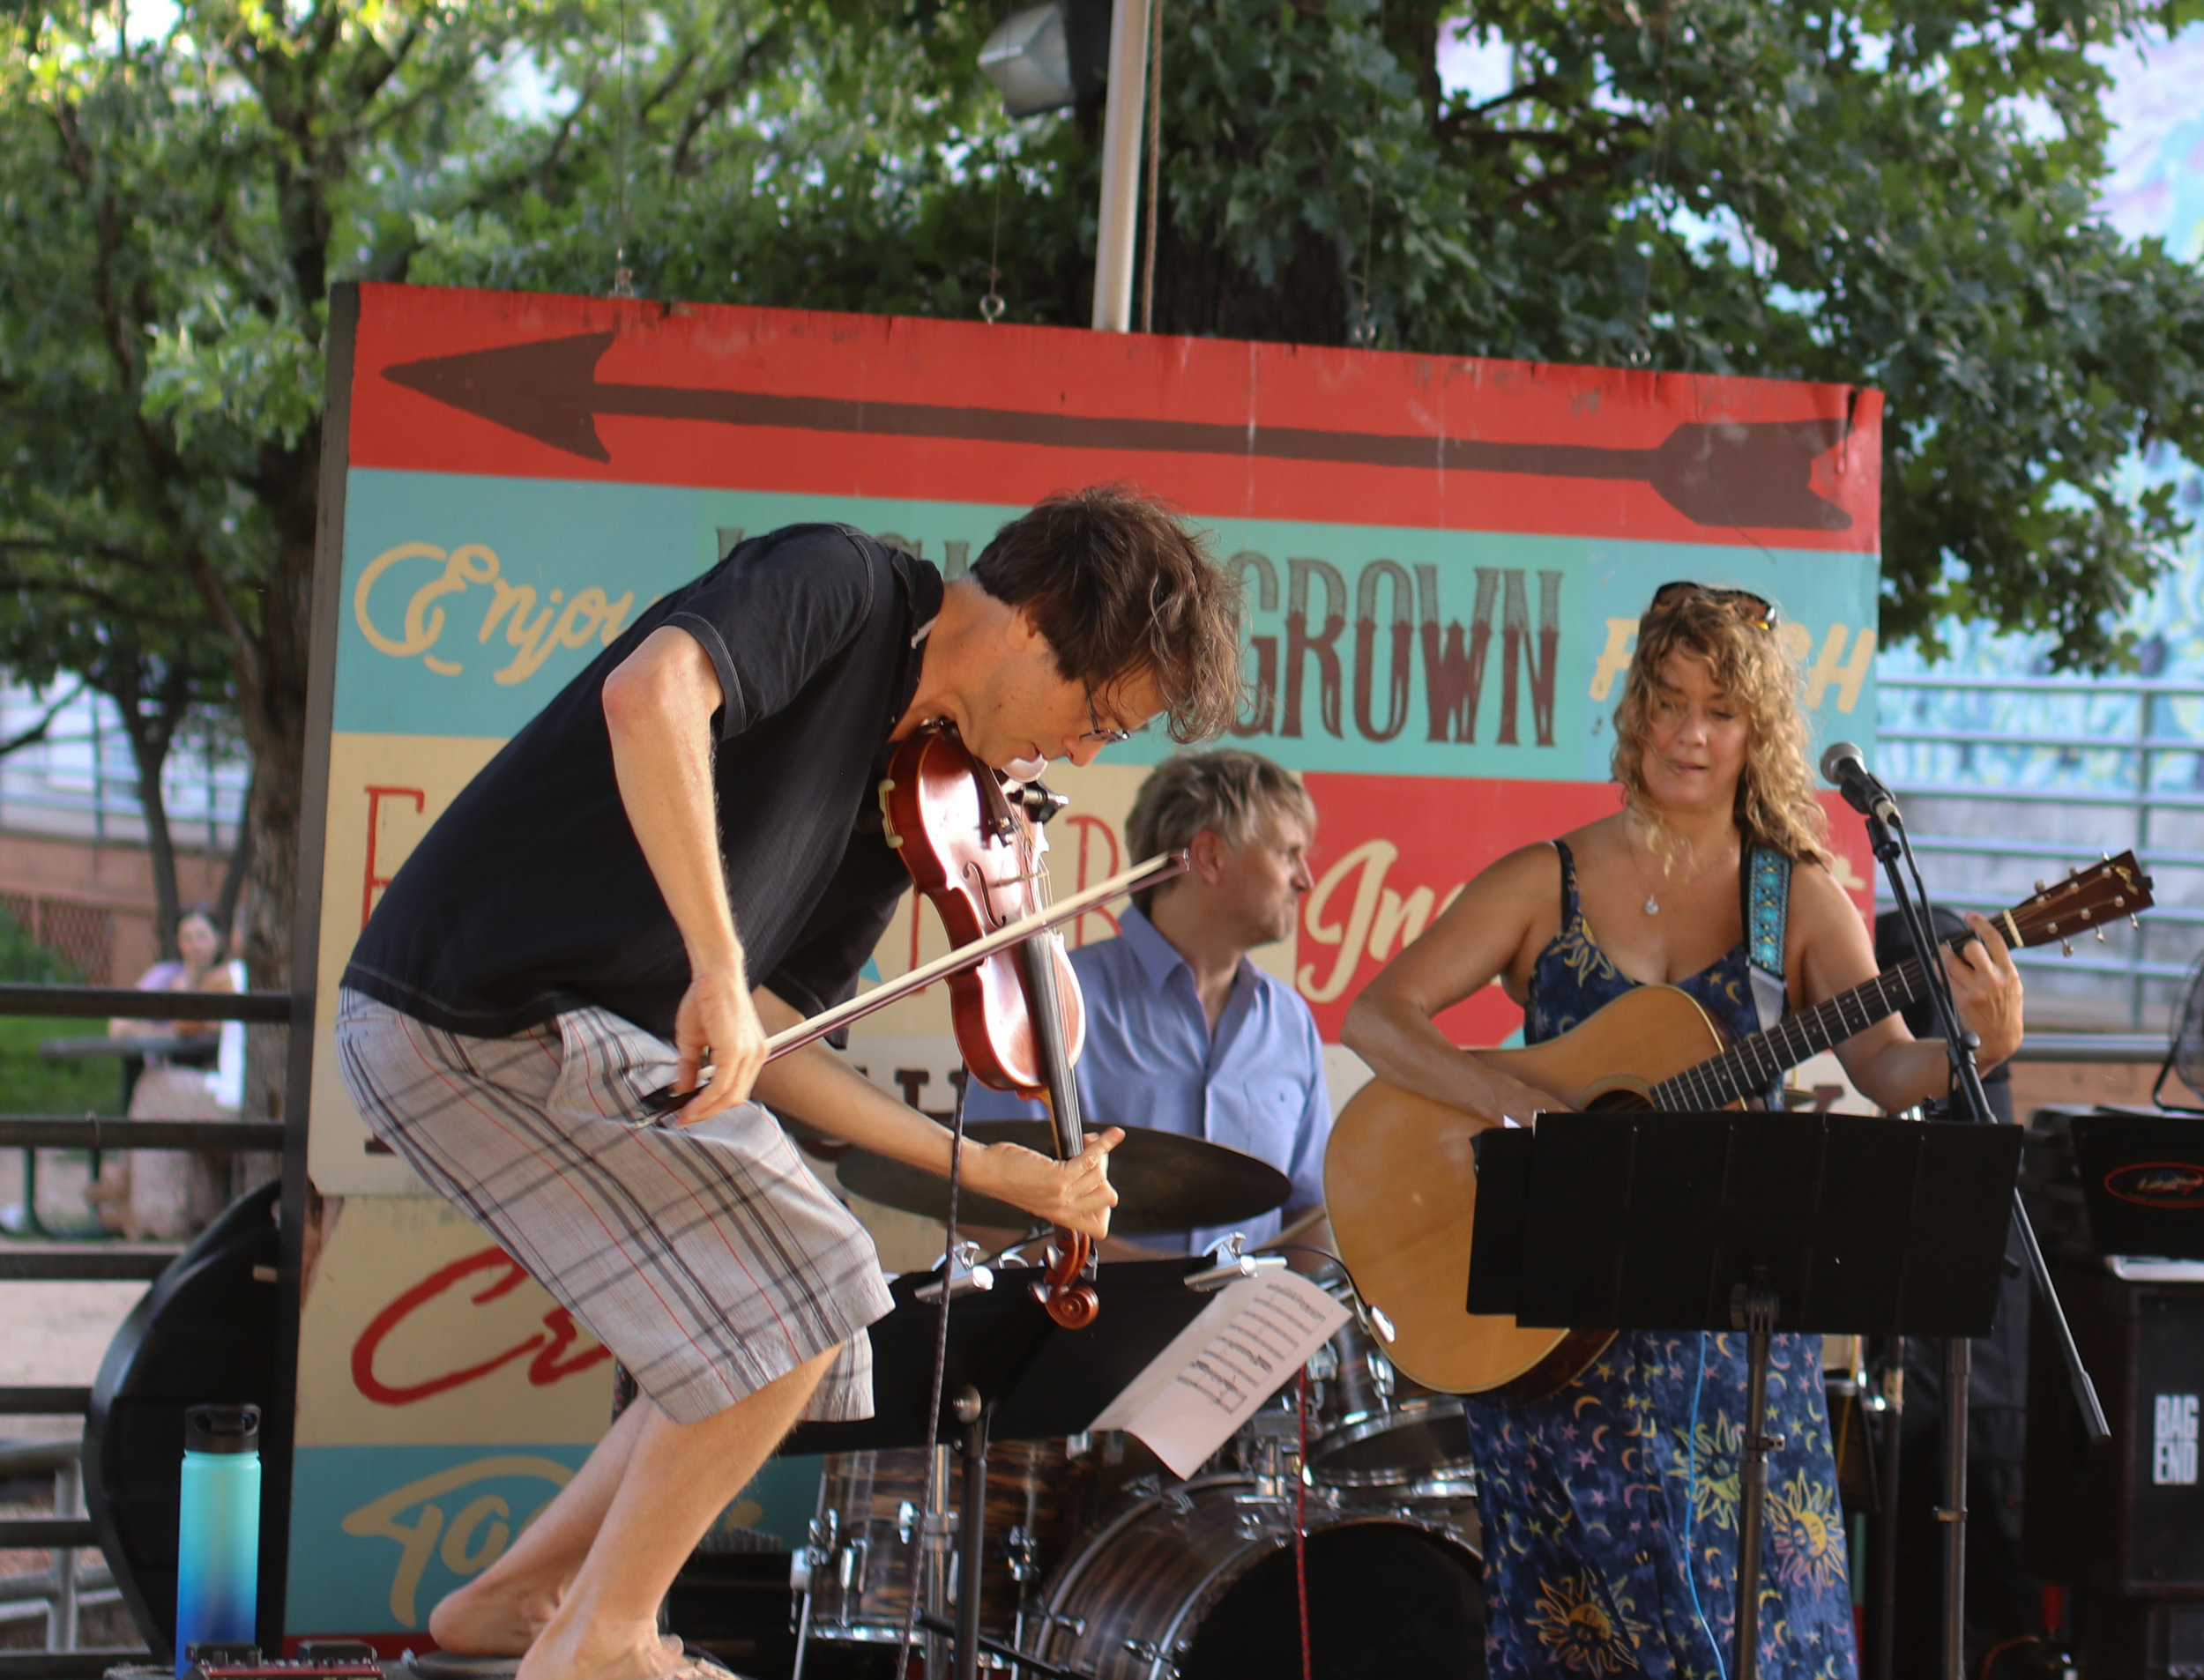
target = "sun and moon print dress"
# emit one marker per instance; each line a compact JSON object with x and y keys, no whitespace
{"x":1611,"y":1508}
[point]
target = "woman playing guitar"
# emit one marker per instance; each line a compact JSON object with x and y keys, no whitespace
{"x":1611,"y":1505}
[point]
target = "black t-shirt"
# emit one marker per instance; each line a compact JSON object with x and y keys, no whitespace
{"x":530,"y":894}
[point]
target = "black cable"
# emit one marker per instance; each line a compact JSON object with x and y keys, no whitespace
{"x":933,"y":1408}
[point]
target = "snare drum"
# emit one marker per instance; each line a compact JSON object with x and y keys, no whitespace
{"x":871,"y":1527}
{"x":1198,"y":1584}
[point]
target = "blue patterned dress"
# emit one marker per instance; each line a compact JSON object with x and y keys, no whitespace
{"x":1611,"y":1509}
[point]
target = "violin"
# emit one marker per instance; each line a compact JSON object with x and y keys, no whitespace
{"x":973,"y":845}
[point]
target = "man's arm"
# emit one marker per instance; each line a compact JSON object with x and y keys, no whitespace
{"x":658,"y":704}
{"x":812,"y":1084}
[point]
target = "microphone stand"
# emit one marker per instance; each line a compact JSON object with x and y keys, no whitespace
{"x":1890,"y":845}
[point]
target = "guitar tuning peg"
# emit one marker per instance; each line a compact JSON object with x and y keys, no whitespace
{"x":2099,"y":936}
{"x":2065,"y":948}
{"x":2132,"y":923}
{"x":2039,"y":886}
{"x":2073,"y":874}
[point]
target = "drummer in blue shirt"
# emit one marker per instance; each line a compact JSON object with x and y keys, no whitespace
{"x":1185,"y":1034}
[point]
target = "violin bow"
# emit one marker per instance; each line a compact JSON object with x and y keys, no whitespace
{"x":1137,"y":878}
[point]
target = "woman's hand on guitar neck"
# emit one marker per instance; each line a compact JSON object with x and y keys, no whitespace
{"x":1986,"y":988}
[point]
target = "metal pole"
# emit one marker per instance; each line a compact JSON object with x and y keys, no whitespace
{"x":1881,"y":1625}
{"x":1752,"y":1309}
{"x":1115,"y":238}
{"x":61,"y":1620}
{"x":971,"y":1532}
{"x":1958,"y":1364}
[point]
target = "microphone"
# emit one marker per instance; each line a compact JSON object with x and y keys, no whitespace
{"x":1844,"y":768}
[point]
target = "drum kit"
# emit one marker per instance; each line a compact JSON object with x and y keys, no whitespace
{"x":1101,"y":1564}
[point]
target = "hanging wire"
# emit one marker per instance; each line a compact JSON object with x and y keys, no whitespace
{"x":1641,"y":352}
{"x":1362,"y":331}
{"x":992,"y":303}
{"x":622,"y":275}
{"x":1155,"y":166}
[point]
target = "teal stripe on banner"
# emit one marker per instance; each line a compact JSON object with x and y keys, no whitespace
{"x":1382,"y":649}
{"x":380,"y":1533}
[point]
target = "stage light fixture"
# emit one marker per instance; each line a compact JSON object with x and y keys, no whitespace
{"x":1044,"y":57}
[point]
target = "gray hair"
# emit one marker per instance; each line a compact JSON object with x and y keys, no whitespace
{"x":1227,"y":791}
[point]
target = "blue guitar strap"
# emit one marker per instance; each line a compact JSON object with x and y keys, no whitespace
{"x":1766,"y":910}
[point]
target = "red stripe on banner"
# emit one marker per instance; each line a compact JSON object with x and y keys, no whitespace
{"x":895,"y":408}
{"x":1391,"y":852}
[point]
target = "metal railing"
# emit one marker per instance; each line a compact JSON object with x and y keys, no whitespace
{"x":2007,"y":777}
{"x":68,"y":1583}
{"x":62,"y":1592}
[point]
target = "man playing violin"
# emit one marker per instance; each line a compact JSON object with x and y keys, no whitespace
{"x":680,"y":854}
{"x":1183,"y":1030}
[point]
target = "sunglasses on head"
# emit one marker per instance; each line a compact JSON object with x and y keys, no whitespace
{"x":1751,"y":609}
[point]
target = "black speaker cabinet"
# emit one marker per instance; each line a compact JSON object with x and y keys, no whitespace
{"x":2122,"y":1524}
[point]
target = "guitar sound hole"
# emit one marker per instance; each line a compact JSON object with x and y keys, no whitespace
{"x":1609,"y":1100}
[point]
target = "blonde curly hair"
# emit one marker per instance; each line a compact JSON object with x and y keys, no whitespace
{"x":1775,"y":806}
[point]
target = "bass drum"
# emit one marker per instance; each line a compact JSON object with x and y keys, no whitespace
{"x":1198,"y":1584}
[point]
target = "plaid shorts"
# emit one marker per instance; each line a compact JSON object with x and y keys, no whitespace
{"x":707,"y":1257}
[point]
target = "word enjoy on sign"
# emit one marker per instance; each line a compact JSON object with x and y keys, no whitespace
{"x":537,"y":633}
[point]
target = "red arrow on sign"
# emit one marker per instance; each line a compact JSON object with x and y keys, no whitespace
{"x":1723,"y":474}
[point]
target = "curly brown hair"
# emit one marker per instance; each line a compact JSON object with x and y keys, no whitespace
{"x":1122,"y":589}
{"x":1775,"y":806}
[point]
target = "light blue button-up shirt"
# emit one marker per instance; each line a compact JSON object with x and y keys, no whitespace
{"x":1256,"y":1086}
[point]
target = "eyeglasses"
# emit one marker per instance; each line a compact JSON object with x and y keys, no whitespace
{"x":1097,"y":734}
{"x":1751,"y":609}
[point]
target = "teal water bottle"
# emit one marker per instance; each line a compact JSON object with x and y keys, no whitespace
{"x":218,"y":1529}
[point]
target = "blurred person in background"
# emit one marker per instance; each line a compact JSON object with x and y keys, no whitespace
{"x":172,"y":1193}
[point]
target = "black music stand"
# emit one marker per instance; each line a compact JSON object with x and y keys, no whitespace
{"x":1011,"y":1374}
{"x":1759,"y":1222}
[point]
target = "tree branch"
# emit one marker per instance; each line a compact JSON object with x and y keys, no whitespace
{"x":38,"y":732}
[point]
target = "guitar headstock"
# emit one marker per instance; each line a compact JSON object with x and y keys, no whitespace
{"x":2083,"y":903}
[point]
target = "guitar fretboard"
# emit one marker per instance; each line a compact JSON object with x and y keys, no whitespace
{"x":1751,"y":1065}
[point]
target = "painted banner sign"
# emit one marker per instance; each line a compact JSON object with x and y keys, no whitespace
{"x":1444,"y":560}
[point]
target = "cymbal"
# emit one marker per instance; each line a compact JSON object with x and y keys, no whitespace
{"x":1165,"y":1181}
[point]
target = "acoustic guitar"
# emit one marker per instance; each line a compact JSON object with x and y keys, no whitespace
{"x":1400,"y":1180}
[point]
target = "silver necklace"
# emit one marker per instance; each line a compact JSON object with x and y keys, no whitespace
{"x":1652,"y":897}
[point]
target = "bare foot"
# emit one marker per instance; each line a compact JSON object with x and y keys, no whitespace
{"x":616,"y":1651}
{"x":482,"y":1621}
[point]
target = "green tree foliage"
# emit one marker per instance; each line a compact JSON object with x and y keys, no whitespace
{"x":1894,"y":193}
{"x":171,"y":215}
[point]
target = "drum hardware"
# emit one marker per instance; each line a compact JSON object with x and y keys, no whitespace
{"x":1003,"y":1349}
{"x":965,"y":1273}
{"x":1228,"y":1264}
{"x":1371,"y":1426}
{"x":1005,"y":1656}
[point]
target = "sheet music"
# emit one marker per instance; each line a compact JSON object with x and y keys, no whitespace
{"x":1241,"y":1349}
